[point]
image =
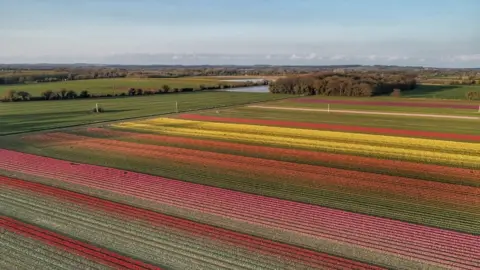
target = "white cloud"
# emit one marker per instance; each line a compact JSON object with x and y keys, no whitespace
{"x":339,"y":57}
{"x":294,"y":56}
{"x":311,"y":56}
{"x":469,"y":57}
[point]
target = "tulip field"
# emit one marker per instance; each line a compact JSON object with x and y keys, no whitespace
{"x":216,"y":190}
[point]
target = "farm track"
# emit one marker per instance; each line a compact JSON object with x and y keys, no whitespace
{"x":88,"y":251}
{"x":334,"y":127}
{"x":297,"y":155}
{"x":367,"y":112}
{"x":314,"y":221}
{"x":301,"y":256}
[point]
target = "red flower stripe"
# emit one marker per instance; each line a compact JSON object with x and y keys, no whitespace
{"x":335,"y":127}
{"x":264,"y":246}
{"x":91,"y":252}
{"x":412,"y":241}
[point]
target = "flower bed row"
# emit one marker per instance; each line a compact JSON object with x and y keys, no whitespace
{"x":294,"y":255}
{"x":448,"y":174}
{"x":91,"y":252}
{"x":316,"y":175}
{"x":464,"y":154}
{"x":330,"y":136}
{"x":335,"y":127}
{"x":394,"y":197}
{"x":409,"y":241}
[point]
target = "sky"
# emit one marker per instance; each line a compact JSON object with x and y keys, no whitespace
{"x":440,"y":33}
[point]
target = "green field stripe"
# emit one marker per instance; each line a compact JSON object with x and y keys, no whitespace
{"x":31,"y":257}
{"x":379,"y":108}
{"x":12,"y":259}
{"x":46,"y":253}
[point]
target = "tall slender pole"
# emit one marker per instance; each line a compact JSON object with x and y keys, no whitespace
{"x":176,"y":106}
{"x":96,"y":107}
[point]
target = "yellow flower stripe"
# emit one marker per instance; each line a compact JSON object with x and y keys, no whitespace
{"x":357,"y":138}
{"x":242,"y":135}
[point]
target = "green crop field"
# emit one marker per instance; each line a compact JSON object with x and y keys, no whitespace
{"x":35,"y":115}
{"x":441,"y":91}
{"x":393,"y":109}
{"x":110,"y":86}
{"x":383,"y":121}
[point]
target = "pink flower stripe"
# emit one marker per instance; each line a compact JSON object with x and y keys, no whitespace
{"x":252,"y":243}
{"x":335,"y":127}
{"x":411,"y":241}
{"x":90,"y":252}
{"x":446,"y":105}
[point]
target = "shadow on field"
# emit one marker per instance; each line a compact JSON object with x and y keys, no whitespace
{"x":429,"y":90}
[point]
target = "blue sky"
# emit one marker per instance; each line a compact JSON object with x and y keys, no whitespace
{"x":404,"y":32}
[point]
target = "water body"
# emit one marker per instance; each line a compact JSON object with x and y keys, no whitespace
{"x":250,"y":89}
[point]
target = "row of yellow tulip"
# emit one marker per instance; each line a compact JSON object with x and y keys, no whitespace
{"x":387,"y":147}
{"x":357,"y":138}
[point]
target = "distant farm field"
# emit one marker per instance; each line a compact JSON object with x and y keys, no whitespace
{"x":35,"y":115}
{"x":111,"y":86}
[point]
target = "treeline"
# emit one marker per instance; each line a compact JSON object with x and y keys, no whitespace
{"x":19,"y":74}
{"x":64,"y":94}
{"x":344,"y":84}
{"x":22,"y":77}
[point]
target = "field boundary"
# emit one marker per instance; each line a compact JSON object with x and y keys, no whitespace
{"x":367,"y":112}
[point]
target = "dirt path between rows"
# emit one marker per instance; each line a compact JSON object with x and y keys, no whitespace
{"x":367,"y":112}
